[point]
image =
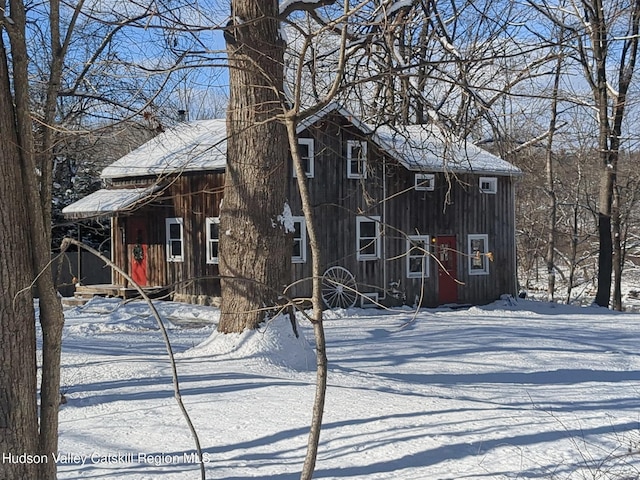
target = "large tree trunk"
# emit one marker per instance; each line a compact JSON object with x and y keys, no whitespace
{"x":18,"y":406}
{"x":254,"y":249}
{"x":610,"y":134}
{"x":599,"y":43}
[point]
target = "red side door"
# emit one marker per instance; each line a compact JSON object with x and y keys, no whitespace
{"x":137,"y":249}
{"x":447,"y":269}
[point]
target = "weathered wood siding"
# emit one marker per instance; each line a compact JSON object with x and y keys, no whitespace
{"x":337,"y":201}
{"x":456,"y":207}
{"x":192,"y":197}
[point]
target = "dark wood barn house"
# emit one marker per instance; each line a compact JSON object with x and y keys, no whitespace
{"x":406,"y":215}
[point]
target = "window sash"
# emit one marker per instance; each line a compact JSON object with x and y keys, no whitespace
{"x":356,"y":159}
{"x":174,"y":239}
{"x":368,"y":238}
{"x":488,"y":185}
{"x":425,"y":182}
{"x":478,"y":248}
{"x":213,"y":239}
{"x":306,"y":157}
{"x":418,"y":256}
{"x":299,"y":253}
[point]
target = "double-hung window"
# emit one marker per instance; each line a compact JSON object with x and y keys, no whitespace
{"x":175,"y":239}
{"x":356,"y":159}
{"x":478,"y":254}
{"x":299,"y":240}
{"x":368,"y":238}
{"x":213,"y":239}
{"x":417,"y":256}
{"x":307,"y":153}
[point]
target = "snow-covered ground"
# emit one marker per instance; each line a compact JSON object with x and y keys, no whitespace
{"x":526,"y":390}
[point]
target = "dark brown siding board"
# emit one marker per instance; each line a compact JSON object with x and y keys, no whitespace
{"x":337,"y":202}
{"x":192,"y":197}
{"x":470,"y":212}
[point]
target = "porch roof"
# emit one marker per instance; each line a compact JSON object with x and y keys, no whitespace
{"x":106,"y":202}
{"x":193,"y":146}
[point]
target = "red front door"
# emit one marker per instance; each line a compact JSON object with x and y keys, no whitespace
{"x":137,"y":249}
{"x":447,"y":256}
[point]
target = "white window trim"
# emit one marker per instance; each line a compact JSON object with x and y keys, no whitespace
{"x":493,"y":188}
{"x":377,"y":239}
{"x":168,"y":223}
{"x":303,"y":241}
{"x":363,"y":146}
{"x":211,"y":260}
{"x":310,"y":145}
{"x":484,"y":257}
{"x":369,"y":300}
{"x":420,"y":184}
{"x":425,"y":256}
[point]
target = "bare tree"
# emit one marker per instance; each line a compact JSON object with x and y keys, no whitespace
{"x":39,"y":89}
{"x":611,"y":115}
{"x":605,"y":41}
{"x":551,"y":192}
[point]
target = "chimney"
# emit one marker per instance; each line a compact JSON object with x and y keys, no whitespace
{"x":182,"y":115}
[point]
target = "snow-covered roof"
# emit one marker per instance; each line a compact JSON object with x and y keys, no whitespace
{"x":106,"y":202}
{"x":423,"y":147}
{"x":201,"y":145}
{"x":428,"y":148}
{"x":338,"y":108}
{"x":192,"y":146}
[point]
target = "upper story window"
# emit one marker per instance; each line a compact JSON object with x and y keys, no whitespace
{"x":488,"y":184}
{"x":418,"y":256}
{"x":299,"y":240}
{"x":306,"y":149}
{"x":356,"y":159}
{"x":175,"y":239}
{"x":368,"y":238}
{"x":425,"y":181}
{"x":213,"y":239}
{"x":478,"y":254}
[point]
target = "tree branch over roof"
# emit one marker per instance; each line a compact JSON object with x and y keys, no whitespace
{"x":287,"y":7}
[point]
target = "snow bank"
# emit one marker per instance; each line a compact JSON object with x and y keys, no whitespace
{"x":273,"y":343}
{"x":112,"y":315}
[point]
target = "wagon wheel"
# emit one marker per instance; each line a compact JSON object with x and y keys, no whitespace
{"x":339,"y":288}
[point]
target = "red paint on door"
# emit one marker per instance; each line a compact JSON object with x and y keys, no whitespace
{"x":137,"y":249}
{"x":447,"y":256}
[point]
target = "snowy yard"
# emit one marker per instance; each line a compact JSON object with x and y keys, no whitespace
{"x":504,"y":391}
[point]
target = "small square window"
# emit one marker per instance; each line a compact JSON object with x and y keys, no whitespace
{"x":488,"y":184}
{"x":368,"y":238}
{"x":478,"y":254}
{"x":213,"y":239}
{"x":425,"y":181}
{"x":307,"y":153}
{"x":175,"y":239}
{"x":369,"y":300}
{"x":356,"y":159}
